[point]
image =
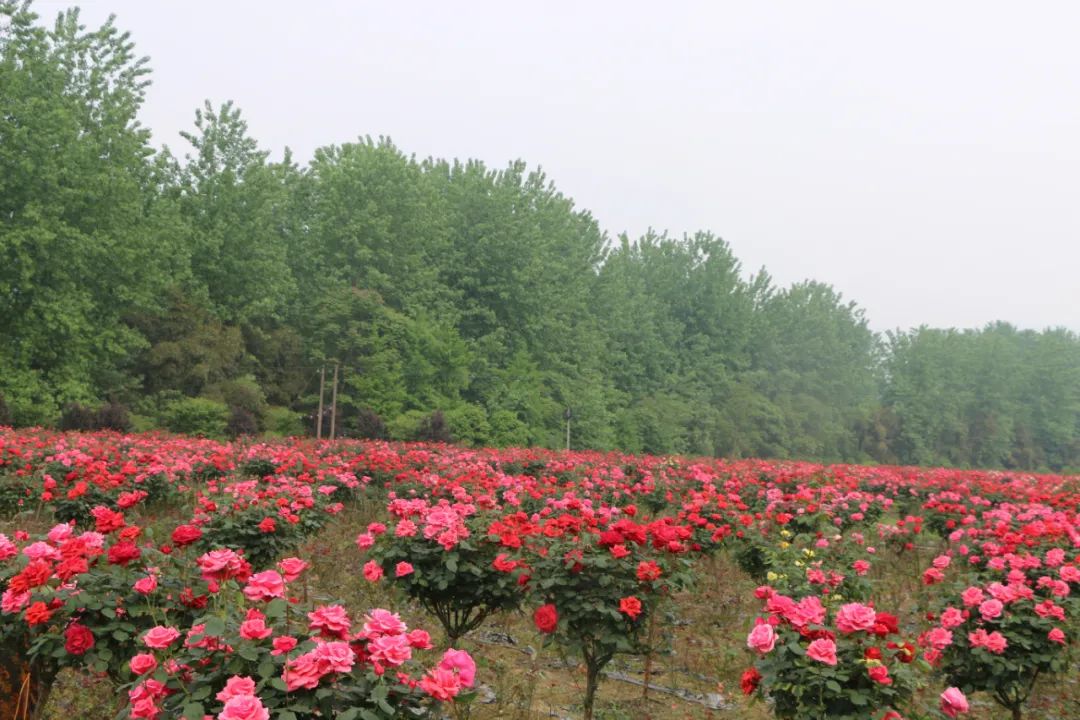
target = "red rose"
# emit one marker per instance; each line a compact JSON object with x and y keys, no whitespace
{"x":630,"y":606}
{"x":749,"y":681}
{"x":123,"y":552}
{"x":79,"y":639}
{"x":546,"y":618}
{"x":38,"y":614}
{"x":185,"y":535}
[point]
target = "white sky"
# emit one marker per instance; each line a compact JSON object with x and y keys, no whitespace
{"x":922,"y":157}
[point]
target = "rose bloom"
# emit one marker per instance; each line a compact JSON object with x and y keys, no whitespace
{"x":953,"y":702}
{"x":265,"y":586}
{"x":236,"y":685}
{"x":336,"y":656}
{"x":939,"y":638}
{"x":372,"y":571}
{"x":462,"y":663}
{"x":749,"y":681}
{"x":291,"y":567}
{"x":1056,"y":635}
{"x":330,"y":621}
{"x":951,"y":618}
{"x":244,"y":707}
{"x":391,"y":649}
{"x":38,"y":614}
{"x":762,"y":638}
{"x":402,"y":569}
{"x":185,"y":535}
{"x":630,"y":606}
{"x":991,"y":609}
{"x":143,"y":663}
{"x":972,"y":596}
{"x":546,"y":618}
{"x":254,"y":627}
{"x":420,"y":640}
{"x":160,"y":636}
{"x":823,"y":650}
{"x":146,"y":585}
{"x":996,"y":643}
{"x":78,"y":639}
{"x":854,"y":617}
{"x":283,"y":644}
{"x":441,"y":684}
{"x":880,"y":674}
{"x":383,"y":622}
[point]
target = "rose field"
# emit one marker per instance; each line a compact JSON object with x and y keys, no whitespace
{"x":161,"y":576}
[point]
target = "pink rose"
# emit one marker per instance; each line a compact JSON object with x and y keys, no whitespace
{"x":460,"y":662}
{"x":337,"y":656}
{"x":159,"y":637}
{"x":254,"y":628}
{"x":996,"y":643}
{"x":391,"y":649}
{"x":1056,"y":635}
{"x":291,"y":568}
{"x":951,"y":618}
{"x":283,"y":644}
{"x":991,"y":609}
{"x":146,"y":585}
{"x":383,"y":622}
{"x":972,"y":596}
{"x":143,"y":663}
{"x":403,"y":569}
{"x":939,"y":638}
{"x":823,"y":650}
{"x":265,"y":586}
{"x":953,"y":702}
{"x":441,"y":684}
{"x":244,"y":707}
{"x":330,"y":621}
{"x":236,"y":685}
{"x":762,"y":638}
{"x":372,"y":571}
{"x":854,"y":617}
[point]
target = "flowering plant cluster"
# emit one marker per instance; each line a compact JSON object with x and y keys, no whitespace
{"x":813,"y":663}
{"x":270,"y":656}
{"x":592,"y":544}
{"x":442,"y":556}
{"x":1005,"y":621}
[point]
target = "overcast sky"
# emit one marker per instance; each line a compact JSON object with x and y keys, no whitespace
{"x":921,"y":157}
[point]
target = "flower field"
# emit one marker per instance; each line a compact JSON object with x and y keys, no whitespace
{"x":150,"y":576}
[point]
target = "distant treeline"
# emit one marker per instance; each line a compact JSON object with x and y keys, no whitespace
{"x":204,"y":293}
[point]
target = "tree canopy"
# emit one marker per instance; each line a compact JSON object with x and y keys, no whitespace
{"x":473,"y":301}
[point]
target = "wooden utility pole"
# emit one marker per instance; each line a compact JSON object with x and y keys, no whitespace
{"x":333,"y":404}
{"x":568,"y":414}
{"x":322,"y":388}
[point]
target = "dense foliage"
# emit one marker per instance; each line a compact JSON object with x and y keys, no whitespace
{"x":204,"y":293}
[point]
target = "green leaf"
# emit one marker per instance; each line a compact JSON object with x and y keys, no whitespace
{"x":194,"y":711}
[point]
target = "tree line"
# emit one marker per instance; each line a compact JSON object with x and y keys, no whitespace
{"x":204,"y":292}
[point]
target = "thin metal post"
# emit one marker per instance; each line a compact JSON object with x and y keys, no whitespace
{"x":322,"y":388}
{"x":333,"y":405}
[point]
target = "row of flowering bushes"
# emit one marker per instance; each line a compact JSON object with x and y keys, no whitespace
{"x":591,"y":545}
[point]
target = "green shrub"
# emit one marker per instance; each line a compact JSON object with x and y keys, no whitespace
{"x":283,"y":422}
{"x":196,"y":416}
{"x":507,"y":430}
{"x":405,"y":426}
{"x":468,"y":424}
